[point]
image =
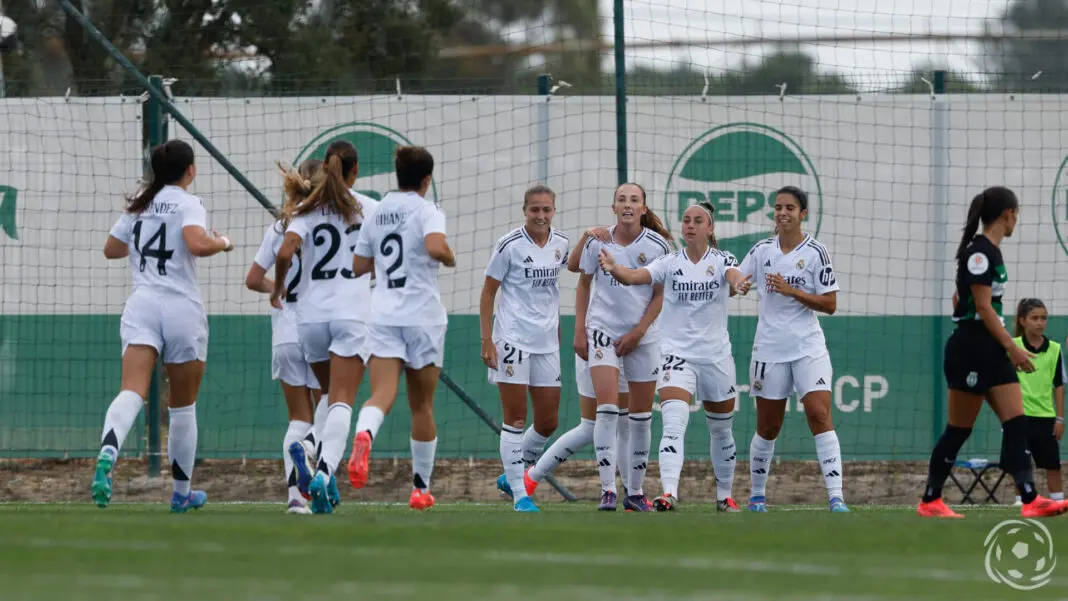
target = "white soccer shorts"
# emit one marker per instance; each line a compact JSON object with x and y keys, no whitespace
{"x":417,"y":346}
{"x":706,"y":382}
{"x":289,"y":365}
{"x":343,"y":337}
{"x":516,"y":366}
{"x":585,"y":384}
{"x":640,"y":365}
{"x":779,"y":380}
{"x":176,"y":326}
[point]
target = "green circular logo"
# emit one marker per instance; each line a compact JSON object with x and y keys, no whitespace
{"x":737,"y":167}
{"x":375,"y":145}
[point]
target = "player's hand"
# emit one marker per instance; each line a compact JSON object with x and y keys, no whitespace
{"x":227,"y":244}
{"x":1021,"y":359}
{"x":582,"y":344}
{"x":599,"y":232}
{"x":744,"y":285}
{"x":1058,"y":430}
{"x":606,"y":261}
{"x":776,"y":283}
{"x":628,"y":342}
{"x":489,"y":353}
{"x":276,"y":299}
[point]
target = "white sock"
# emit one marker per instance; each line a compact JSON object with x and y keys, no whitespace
{"x":1055,"y":496}
{"x":830,"y":456}
{"x":760,"y":454}
{"x":722,"y":450}
{"x":512,"y":459}
{"x":423,"y":464}
{"x":296,"y":432}
{"x":623,"y":446}
{"x":562,"y":449}
{"x":319,"y":422}
{"x":675,"y":415}
{"x":370,"y":420}
{"x":641,"y":437}
{"x":604,"y":440}
{"x":335,"y":436}
{"x":533,"y":446}
{"x":182,"y":446}
{"x":120,"y":418}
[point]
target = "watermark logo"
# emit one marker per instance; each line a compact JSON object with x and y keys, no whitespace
{"x":1019,"y":553}
{"x":737,"y":167}
{"x":375,"y":145}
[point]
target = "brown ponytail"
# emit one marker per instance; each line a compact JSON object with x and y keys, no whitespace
{"x":169,"y":162}
{"x":652,"y":221}
{"x":297,"y":186}
{"x":330,"y":192}
{"x":986,"y":207}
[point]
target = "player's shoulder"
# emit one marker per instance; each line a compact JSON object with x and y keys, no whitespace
{"x":723,"y":256}
{"x":509,"y":240}
{"x":762,"y":246}
{"x":559,"y":237}
{"x":817,"y":250}
{"x":657,"y":241}
{"x":274,"y":230}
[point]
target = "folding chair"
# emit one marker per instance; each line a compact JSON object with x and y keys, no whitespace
{"x":978,"y":468}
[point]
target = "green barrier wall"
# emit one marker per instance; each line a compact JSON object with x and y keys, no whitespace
{"x":62,"y":371}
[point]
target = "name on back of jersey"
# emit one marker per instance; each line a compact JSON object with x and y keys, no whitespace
{"x":162,"y":208}
{"x":389,"y":218}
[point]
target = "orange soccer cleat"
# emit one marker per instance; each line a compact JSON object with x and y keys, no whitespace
{"x":1041,"y":507}
{"x":936,"y":509}
{"x":530,"y":484}
{"x":359,"y":461}
{"x":420,"y":500}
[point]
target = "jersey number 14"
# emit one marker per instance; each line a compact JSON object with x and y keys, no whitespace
{"x":154,"y":248}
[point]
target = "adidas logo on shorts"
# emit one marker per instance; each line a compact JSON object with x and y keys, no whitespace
{"x":820,"y":382}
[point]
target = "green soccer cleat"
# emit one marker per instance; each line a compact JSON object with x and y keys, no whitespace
{"x":101,"y":487}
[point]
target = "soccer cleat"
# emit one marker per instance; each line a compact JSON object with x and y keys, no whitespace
{"x":332,"y":493}
{"x":727,"y":506}
{"x":300,"y":458}
{"x":183,"y":503}
{"x":838,"y":506}
{"x":529,"y":483}
{"x":502,"y":485}
{"x":936,"y":509}
{"x":637,"y":503}
{"x":360,"y":459}
{"x":525,"y":505}
{"x":758,"y":505}
{"x":608,"y":501}
{"x":101,"y":487}
{"x":665,"y":502}
{"x":420,"y":500}
{"x":296,"y":507}
{"x":319,"y":501}
{"x":1041,"y":507}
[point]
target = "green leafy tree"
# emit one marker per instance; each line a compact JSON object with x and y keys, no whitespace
{"x":1013,"y":62}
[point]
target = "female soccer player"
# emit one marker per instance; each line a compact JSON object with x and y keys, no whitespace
{"x":163,"y":315}
{"x":288,"y":365}
{"x":1043,"y":392}
{"x":522,"y":346}
{"x":404,"y":244}
{"x":696,"y":346}
{"x":789,"y":351}
{"x":331,"y":321}
{"x":615,"y":327}
{"x":981,"y":359}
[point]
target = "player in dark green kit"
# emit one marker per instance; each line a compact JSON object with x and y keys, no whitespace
{"x":981,"y":359}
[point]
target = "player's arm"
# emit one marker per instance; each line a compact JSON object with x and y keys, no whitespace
{"x":117,"y":246}
{"x":632,"y":339}
{"x":824,"y":303}
{"x":582,"y":304}
{"x":485,"y":321}
{"x":1058,"y":396}
{"x":574,"y":259}
{"x":257,"y":281}
{"x":739,"y":282}
{"x":282,"y":262}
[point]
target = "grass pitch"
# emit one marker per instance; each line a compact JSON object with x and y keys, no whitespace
{"x":467,"y":552}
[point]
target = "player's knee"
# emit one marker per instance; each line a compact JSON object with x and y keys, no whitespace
{"x":545,"y":424}
{"x":769,"y":431}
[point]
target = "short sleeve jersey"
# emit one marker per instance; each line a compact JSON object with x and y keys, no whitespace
{"x":616,"y":309}
{"x":693,"y":323}
{"x":328,"y":289}
{"x":159,"y":259}
{"x":981,"y":264}
{"x":528,"y":309}
{"x":284,"y":320}
{"x":786,"y":329}
{"x":406,"y":292}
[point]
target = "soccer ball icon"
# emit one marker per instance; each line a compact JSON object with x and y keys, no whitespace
{"x":1020,"y":553}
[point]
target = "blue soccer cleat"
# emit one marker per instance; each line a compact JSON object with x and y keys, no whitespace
{"x":758,"y":505}
{"x":839,"y":506}
{"x":525,"y":505}
{"x":503,"y":486}
{"x":318,"y":489}
{"x":608,"y":501}
{"x":101,"y":487}
{"x":332,"y":493}
{"x":299,"y":456}
{"x":183,"y":503}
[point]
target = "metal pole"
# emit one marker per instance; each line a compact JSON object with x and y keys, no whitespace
{"x":939,"y":212}
{"x":3,"y":84}
{"x":621,"y":94}
{"x":543,"y":129}
{"x":153,"y":136}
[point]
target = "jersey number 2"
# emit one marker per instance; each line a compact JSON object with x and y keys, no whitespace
{"x":160,"y":253}
{"x":387,"y":250}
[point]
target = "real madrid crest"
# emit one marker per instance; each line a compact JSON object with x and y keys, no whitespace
{"x":757,"y":385}
{"x":710,"y":270}
{"x":598,"y":354}
{"x":801,"y":264}
{"x":641,"y":258}
{"x":667,"y":376}
{"x":509,"y":371}
{"x":556,"y":254}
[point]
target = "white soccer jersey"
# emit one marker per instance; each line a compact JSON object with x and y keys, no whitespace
{"x":284,"y":320}
{"x":159,"y":258}
{"x":614,"y":308}
{"x":693,"y":322}
{"x":328,"y":289}
{"x":528,"y":311}
{"x":406,"y":292}
{"x":786,"y":329}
